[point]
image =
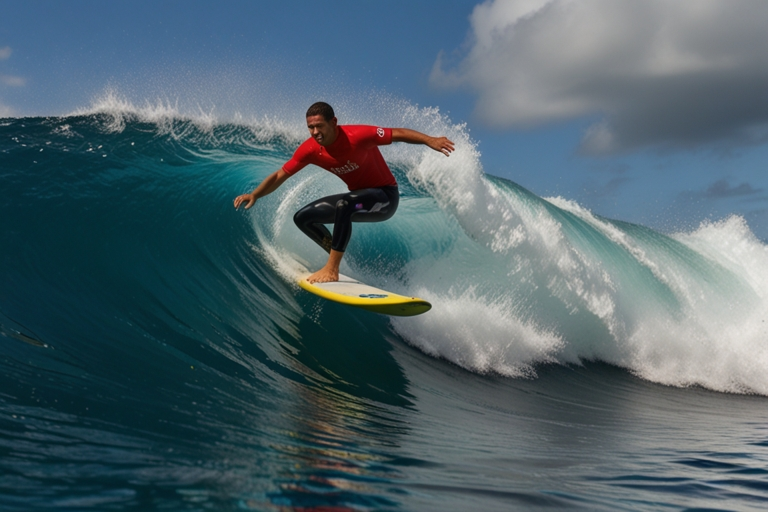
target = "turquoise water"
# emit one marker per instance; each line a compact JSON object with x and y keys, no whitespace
{"x":156,"y":353}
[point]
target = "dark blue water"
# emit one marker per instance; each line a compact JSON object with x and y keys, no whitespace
{"x":156,"y":353}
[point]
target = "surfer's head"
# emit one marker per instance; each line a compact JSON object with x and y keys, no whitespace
{"x":322,"y":122}
{"x":321,"y":108}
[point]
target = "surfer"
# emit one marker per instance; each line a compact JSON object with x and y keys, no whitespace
{"x":350,"y":152}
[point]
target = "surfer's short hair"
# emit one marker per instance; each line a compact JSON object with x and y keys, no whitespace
{"x":321,"y":108}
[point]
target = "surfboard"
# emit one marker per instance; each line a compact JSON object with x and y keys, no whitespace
{"x":355,"y":293}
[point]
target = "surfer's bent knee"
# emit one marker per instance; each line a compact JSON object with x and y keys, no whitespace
{"x":366,"y":205}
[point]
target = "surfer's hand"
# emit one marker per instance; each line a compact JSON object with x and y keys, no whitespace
{"x":248,"y":199}
{"x":441,"y":144}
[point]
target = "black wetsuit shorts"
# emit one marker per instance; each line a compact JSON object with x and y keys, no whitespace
{"x":341,"y":210}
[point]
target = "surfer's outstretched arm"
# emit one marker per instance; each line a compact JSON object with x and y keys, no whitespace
{"x":269,"y":185}
{"x":441,"y":144}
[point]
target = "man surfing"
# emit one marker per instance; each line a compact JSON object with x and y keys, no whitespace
{"x":350,"y":152}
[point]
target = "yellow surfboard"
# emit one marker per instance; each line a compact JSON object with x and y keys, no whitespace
{"x":354,"y":293}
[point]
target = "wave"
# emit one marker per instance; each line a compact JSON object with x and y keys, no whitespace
{"x":119,"y":219}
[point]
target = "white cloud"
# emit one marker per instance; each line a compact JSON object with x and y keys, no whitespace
{"x":12,"y":81}
{"x":9,"y":80}
{"x":656,"y":72}
{"x":6,"y":111}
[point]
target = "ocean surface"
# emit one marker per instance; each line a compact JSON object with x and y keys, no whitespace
{"x":157,"y":355}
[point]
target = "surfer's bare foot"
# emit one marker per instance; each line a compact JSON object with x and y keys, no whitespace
{"x":330,"y":272}
{"x":323,"y":276}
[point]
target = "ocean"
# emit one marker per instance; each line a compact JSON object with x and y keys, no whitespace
{"x":158,"y":355}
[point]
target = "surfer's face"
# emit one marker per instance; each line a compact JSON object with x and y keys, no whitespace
{"x":324,"y":132}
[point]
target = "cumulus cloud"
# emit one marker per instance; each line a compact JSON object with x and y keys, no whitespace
{"x":12,"y":81}
{"x":9,"y":80}
{"x":722,"y":189}
{"x":652,"y":72}
{"x":5,"y":111}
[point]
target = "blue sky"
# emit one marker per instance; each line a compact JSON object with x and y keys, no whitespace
{"x":653,"y":112}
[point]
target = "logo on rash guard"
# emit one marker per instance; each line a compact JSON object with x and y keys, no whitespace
{"x":380,"y":132}
{"x":351,"y":166}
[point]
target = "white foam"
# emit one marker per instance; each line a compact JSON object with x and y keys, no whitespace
{"x":171,"y":118}
{"x":480,"y":334}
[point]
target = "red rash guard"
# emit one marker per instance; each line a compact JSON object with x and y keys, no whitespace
{"x":354,"y":157}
